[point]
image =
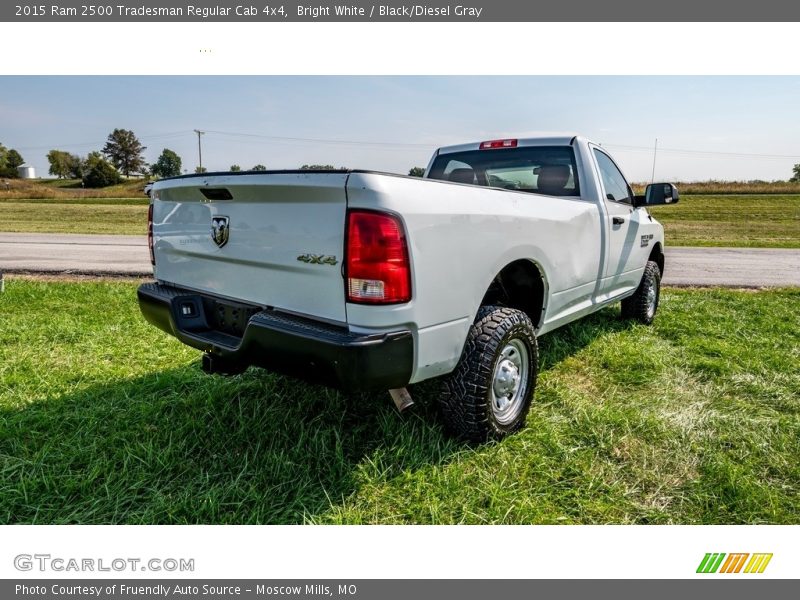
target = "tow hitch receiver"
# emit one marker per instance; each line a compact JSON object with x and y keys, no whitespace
{"x":217,"y":365}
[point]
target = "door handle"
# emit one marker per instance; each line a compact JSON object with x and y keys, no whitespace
{"x":618,"y":220}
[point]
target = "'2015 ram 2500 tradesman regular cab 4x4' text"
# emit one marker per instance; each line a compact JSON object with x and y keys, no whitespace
{"x":368,"y":280}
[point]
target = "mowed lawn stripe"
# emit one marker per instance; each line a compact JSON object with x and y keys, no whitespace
{"x":737,"y":221}
{"x":125,"y":217}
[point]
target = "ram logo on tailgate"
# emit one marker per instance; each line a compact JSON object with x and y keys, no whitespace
{"x":220,"y":230}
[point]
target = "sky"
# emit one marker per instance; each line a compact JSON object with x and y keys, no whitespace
{"x":707,"y":127}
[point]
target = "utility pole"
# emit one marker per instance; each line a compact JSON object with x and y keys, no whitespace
{"x":199,"y":149}
{"x":655,"y":151}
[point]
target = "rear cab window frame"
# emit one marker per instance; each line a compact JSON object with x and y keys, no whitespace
{"x":441,"y":163}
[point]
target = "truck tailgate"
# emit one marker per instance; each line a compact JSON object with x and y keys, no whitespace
{"x":284,"y":242}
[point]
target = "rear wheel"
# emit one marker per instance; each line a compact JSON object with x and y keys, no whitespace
{"x":643,"y":304}
{"x":489,"y":393}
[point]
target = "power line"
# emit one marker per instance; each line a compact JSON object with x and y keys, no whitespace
{"x":320,"y":140}
{"x":704,"y":152}
{"x":157,"y":136}
{"x":412,"y":145}
{"x":408,"y":145}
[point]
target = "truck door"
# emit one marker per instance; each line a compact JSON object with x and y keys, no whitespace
{"x":624,"y":263}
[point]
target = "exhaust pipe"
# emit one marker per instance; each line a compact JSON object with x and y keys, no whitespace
{"x":402,"y":399}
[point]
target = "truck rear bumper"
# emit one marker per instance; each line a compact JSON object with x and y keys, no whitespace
{"x":297,"y":346}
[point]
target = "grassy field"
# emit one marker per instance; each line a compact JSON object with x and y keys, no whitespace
{"x":719,"y":188}
{"x":62,"y":206}
{"x":104,"y":419}
{"x":768,"y":221}
{"x":61,"y":189}
{"x":66,"y":189}
{"x":125,"y":216}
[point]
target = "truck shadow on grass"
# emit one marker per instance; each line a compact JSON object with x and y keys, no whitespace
{"x":180,"y":446}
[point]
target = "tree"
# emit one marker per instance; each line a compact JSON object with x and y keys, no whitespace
{"x":98,"y":172}
{"x":317,"y":168}
{"x":75,"y":166}
{"x":259,"y":167}
{"x":200,"y":170}
{"x":13,"y":159}
{"x":3,"y":167}
{"x":168,"y":164}
{"x":796,"y":171}
{"x":125,"y":151}
{"x":416,"y":172}
{"x":60,"y":163}
{"x":236,"y":168}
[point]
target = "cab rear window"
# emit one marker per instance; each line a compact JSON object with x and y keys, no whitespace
{"x":547,"y":170}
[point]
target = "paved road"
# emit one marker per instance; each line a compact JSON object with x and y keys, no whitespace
{"x":127,"y":255}
{"x":68,"y":253}
{"x":733,"y":267}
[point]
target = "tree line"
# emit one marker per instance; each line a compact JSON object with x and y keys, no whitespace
{"x":123,"y":155}
{"x":10,"y":161}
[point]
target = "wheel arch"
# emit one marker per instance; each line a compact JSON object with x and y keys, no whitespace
{"x":520,"y":284}
{"x":657,"y":256}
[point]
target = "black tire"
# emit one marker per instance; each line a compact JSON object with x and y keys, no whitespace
{"x":469,"y":400}
{"x":642,"y":306}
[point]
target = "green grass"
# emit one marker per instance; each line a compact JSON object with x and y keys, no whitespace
{"x":64,"y":189}
{"x":767,"y":221}
{"x":717,"y":187}
{"x":104,"y":419}
{"x":733,"y":221}
{"x":121,"y":216}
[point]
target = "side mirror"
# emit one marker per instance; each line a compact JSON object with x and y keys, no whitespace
{"x":656,"y":194}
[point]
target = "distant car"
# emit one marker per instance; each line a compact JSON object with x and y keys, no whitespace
{"x":148,"y":188}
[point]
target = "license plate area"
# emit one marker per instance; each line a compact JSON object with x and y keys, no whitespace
{"x":228,"y":317}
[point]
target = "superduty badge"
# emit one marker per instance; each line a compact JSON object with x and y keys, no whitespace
{"x":646,"y":239}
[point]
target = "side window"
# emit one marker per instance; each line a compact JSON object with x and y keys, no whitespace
{"x":616,"y":187}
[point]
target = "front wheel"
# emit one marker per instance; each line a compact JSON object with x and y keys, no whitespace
{"x":643,"y":304}
{"x":489,"y":393}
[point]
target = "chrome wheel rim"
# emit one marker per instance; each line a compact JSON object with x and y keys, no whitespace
{"x":509,"y":382}
{"x":652,"y":296}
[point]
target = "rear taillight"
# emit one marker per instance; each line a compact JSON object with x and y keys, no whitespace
{"x":150,"y":233}
{"x":377,"y":269}
{"x":494,"y":144}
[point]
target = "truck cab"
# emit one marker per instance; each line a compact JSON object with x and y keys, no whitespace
{"x":613,"y":247}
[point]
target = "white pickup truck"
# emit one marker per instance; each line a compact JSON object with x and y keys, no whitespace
{"x":365,"y":280}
